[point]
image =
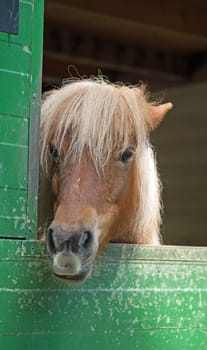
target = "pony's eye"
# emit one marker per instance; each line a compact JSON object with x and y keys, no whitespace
{"x":126,"y":155}
{"x":53,"y":152}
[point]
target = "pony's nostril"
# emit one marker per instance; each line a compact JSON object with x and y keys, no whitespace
{"x":59,"y":241}
{"x":86,"y":239}
{"x":50,"y":241}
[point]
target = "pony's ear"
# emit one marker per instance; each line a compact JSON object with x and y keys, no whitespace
{"x":157,"y":114}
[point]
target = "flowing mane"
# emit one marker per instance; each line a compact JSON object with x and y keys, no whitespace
{"x":102,"y":117}
{"x":102,"y":180}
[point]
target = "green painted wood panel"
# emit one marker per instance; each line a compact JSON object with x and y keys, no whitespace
{"x":13,"y":206}
{"x":13,"y":174}
{"x":14,"y":152}
{"x":140,"y":340}
{"x":14,"y":130}
{"x":20,"y":76}
{"x":23,"y":53}
{"x":13,"y":226}
{"x":16,"y":205}
{"x":36,"y":71}
{"x":137,"y":298}
{"x":16,"y":84}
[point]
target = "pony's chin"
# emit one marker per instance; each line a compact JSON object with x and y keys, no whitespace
{"x":79,"y":278}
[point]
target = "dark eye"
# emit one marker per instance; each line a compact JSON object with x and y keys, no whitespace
{"x":126,"y":155}
{"x":53,"y":152}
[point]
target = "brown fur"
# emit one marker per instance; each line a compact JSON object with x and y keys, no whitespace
{"x":91,"y":123}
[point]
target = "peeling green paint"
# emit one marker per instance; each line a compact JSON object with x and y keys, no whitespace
{"x":20,"y":75}
{"x":145,"y":297}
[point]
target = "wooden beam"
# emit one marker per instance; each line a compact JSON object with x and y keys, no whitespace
{"x":56,"y":68}
{"x":177,"y":26}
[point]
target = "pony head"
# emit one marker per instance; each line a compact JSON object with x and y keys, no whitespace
{"x":95,"y":149}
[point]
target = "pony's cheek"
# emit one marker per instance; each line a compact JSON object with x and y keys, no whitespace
{"x":55,"y":205}
{"x":55,"y":185}
{"x":105,"y":221}
{"x":55,"y":192}
{"x":117,"y":187}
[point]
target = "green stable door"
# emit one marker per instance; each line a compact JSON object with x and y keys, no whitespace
{"x":20,"y":77}
{"x":136,"y":298}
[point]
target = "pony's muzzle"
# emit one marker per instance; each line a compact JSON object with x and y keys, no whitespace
{"x":77,"y":242}
{"x":72,"y":252}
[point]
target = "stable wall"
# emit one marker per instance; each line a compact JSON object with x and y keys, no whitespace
{"x":181,"y":144}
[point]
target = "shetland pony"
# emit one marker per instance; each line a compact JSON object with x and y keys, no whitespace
{"x":96,"y":153}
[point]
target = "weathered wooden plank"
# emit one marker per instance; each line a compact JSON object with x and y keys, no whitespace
{"x":10,"y":249}
{"x":20,"y":75}
{"x":97,"y":311}
{"x":157,"y":339}
{"x":14,"y":160}
{"x":22,"y":54}
{"x":116,"y":251}
{"x":15,"y":84}
{"x":14,"y":204}
{"x":35,"y":102}
{"x":13,"y":130}
{"x":13,"y":211}
{"x":129,"y":252}
{"x":137,"y":297}
{"x":13,"y":227}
